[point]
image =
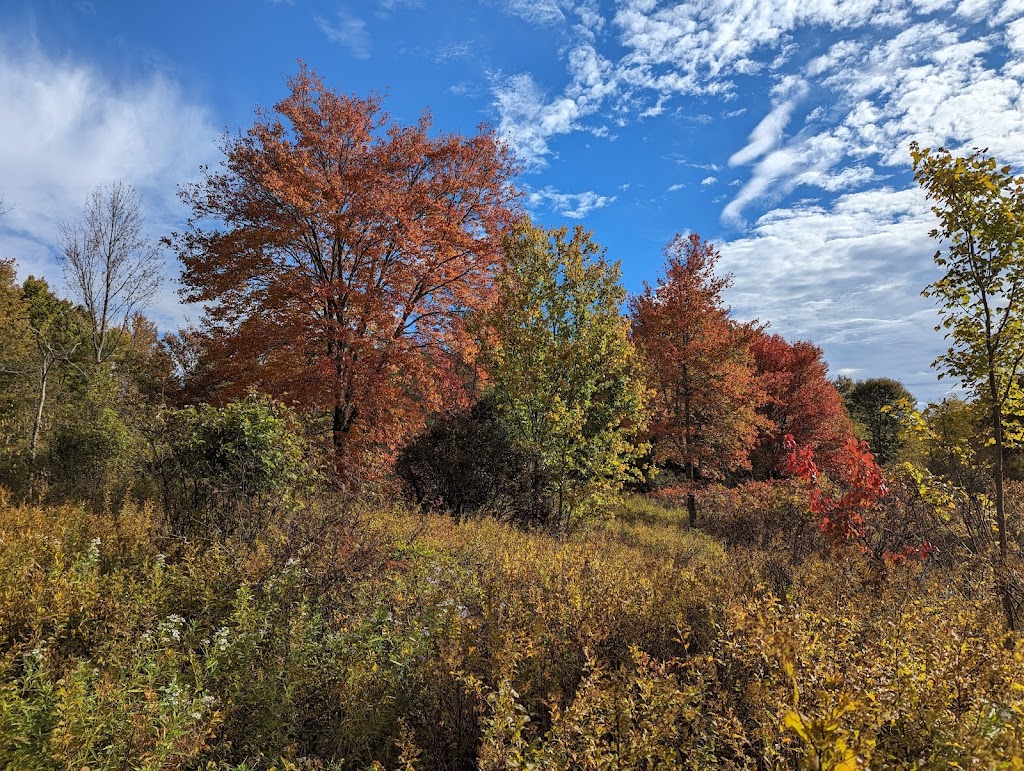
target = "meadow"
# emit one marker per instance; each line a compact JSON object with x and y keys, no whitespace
{"x":376,"y":636}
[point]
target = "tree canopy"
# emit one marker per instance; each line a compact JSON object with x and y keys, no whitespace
{"x":562,"y":369}
{"x":799,"y":401}
{"x":345,"y":251}
{"x":697,"y":359}
{"x":980,"y":207}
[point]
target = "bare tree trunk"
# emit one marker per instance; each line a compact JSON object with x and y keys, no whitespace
{"x":44,"y":374}
{"x":1003,"y":565}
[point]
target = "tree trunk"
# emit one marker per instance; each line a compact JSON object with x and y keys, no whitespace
{"x":691,"y":498}
{"x":338,"y":429}
{"x":37,"y":423}
{"x":1005,"y":591}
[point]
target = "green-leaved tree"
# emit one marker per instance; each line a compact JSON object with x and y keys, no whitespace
{"x":873,"y":403}
{"x":980,"y":206}
{"x":563,"y":370}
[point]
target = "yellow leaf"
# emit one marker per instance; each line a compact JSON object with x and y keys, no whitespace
{"x":796,"y":723}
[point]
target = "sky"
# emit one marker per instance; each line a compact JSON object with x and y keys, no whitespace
{"x":779,"y":130}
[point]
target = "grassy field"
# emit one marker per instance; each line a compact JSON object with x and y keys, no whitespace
{"x":376,"y":637}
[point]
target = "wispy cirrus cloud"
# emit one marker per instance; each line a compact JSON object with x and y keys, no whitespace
{"x":529,"y":119}
{"x":535,"y":11}
{"x":931,"y":82}
{"x":553,"y":12}
{"x":571,"y":205}
{"x":349,"y":31}
{"x":447,"y":52}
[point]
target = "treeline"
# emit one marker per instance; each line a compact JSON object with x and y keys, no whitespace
{"x":380,"y":312}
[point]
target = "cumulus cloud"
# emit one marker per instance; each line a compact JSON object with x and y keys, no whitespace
{"x":571,"y":205}
{"x":68,"y":128}
{"x":902,"y":69}
{"x":929,"y":81}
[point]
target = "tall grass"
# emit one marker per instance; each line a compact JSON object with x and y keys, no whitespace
{"x":361,"y":637}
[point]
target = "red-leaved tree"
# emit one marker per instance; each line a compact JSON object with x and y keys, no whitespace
{"x":337,"y":253}
{"x":850,"y":508}
{"x":799,"y":401}
{"x":698,"y":363}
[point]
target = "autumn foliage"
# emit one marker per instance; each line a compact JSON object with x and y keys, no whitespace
{"x":799,"y":401}
{"x":190,"y":586}
{"x":344,"y":251}
{"x":698,"y":361}
{"x":843,"y":516}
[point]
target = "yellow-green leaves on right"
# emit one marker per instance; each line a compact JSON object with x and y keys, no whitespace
{"x":980,"y":206}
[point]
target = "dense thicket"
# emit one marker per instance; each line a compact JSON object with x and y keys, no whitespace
{"x":418,"y":642}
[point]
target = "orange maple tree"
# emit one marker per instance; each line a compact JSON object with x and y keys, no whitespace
{"x":799,"y":401}
{"x":705,"y":393}
{"x":337,"y":253}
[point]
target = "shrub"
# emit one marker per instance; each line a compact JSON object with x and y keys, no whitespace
{"x":394,"y":640}
{"x":91,"y":455}
{"x":227,"y":470}
{"x":468,"y":462}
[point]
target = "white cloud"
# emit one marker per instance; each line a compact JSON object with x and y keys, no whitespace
{"x":68,"y":129}
{"x":572,"y":205}
{"x":708,"y":181}
{"x":535,"y":11}
{"x":930,"y":81}
{"x":848,"y":277}
{"x":349,"y":31}
{"x":451,"y":51}
{"x":902,"y":68}
{"x":528,"y":120}
{"x":556,"y":12}
{"x":844,"y":262}
{"x":768,"y":133}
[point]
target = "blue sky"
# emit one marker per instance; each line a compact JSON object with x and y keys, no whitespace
{"x":779,"y":130}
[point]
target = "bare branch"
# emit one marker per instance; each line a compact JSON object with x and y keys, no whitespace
{"x":110,"y":266}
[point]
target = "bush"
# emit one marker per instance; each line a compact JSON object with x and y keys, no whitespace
{"x":418,"y":642}
{"x":228,"y":470}
{"x":92,"y":454}
{"x":467,"y":462}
